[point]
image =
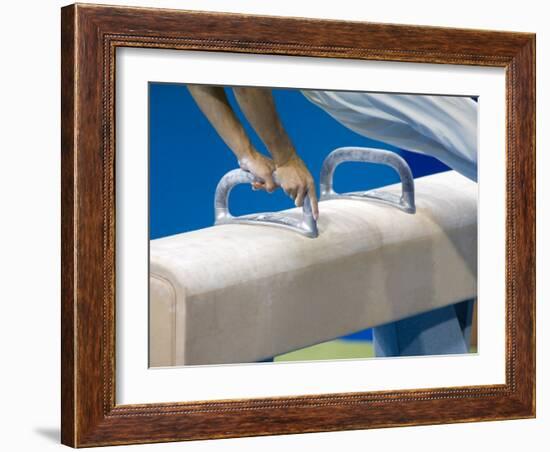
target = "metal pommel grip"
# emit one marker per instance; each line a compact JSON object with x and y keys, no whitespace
{"x":357,"y":154}
{"x":305,"y":225}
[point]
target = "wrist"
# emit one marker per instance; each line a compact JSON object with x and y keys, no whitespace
{"x":285,"y":159}
{"x":281,"y":149}
{"x":246,"y":153}
{"x":282,"y":157}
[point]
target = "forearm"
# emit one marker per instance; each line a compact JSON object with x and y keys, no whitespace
{"x":259,"y":108}
{"x":213,"y":102}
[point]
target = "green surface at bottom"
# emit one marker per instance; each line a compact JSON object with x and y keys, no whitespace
{"x":337,"y":349}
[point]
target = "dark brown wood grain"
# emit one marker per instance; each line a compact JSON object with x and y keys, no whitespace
{"x":90,"y":36}
{"x":67,"y":225}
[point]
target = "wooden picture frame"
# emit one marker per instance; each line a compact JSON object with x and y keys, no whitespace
{"x":90,"y":36}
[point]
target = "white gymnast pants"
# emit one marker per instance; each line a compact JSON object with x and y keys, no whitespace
{"x":444,"y":127}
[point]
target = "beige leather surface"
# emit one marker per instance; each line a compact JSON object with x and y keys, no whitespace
{"x":241,"y":293}
{"x":162,"y":328}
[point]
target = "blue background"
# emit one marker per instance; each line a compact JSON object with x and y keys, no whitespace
{"x":187,"y":158}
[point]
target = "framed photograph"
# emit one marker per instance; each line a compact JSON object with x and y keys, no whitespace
{"x":281,"y":225}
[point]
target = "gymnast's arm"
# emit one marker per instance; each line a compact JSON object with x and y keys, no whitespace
{"x":259,"y":108}
{"x":213,"y":102}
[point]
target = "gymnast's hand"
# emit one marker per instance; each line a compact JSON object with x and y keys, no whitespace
{"x":296,"y":181}
{"x":259,"y":108}
{"x":261,"y":167}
